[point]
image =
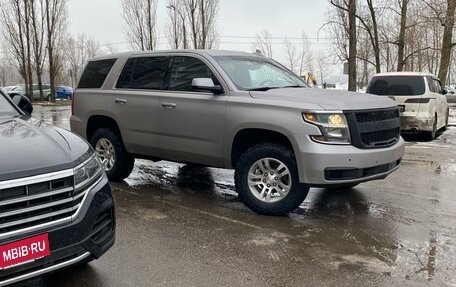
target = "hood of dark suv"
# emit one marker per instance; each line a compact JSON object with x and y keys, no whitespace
{"x":327,"y":99}
{"x":31,"y":147}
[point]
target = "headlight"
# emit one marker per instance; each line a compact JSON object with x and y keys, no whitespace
{"x":87,"y":172}
{"x":333,"y":126}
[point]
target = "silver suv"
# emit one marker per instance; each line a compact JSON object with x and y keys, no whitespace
{"x":235,"y":110}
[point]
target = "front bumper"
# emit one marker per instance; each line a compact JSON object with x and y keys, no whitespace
{"x":326,"y":165}
{"x":416,"y":123}
{"x":86,"y":238}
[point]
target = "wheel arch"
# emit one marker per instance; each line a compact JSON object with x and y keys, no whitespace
{"x":96,"y":122}
{"x":247,"y":137}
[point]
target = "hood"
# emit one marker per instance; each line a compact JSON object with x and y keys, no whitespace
{"x":326,"y":99}
{"x":31,"y":147}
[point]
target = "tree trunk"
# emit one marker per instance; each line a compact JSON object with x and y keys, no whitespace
{"x":447,"y":44}
{"x":50,"y":50}
{"x":401,"y":40}
{"x":375,"y":44}
{"x":352,"y":45}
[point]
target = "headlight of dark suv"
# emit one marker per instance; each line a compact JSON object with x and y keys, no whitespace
{"x":333,"y":126}
{"x":87,"y":173}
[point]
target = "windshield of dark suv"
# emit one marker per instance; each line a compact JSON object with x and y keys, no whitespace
{"x":250,"y":73}
{"x":396,"y":86}
{"x":6,"y":109}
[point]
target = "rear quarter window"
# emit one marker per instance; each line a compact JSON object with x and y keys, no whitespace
{"x":397,"y":86}
{"x":95,"y":74}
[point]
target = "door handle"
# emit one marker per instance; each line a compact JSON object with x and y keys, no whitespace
{"x":120,"y":101}
{"x":169,"y":105}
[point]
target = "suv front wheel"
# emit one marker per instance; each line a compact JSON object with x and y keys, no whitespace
{"x":267,"y":180}
{"x":116,"y":161}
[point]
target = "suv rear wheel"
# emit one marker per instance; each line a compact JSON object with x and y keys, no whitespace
{"x":431,"y":135}
{"x":267,"y":180}
{"x":116,"y":161}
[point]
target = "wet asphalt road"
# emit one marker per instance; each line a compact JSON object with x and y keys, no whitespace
{"x":184,"y":226}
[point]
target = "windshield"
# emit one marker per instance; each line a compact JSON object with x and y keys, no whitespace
{"x":251,"y":73}
{"x":6,"y":109}
{"x":396,"y":86}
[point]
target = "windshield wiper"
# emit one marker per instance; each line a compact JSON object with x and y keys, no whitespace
{"x":264,"y":89}
{"x":293,"y":86}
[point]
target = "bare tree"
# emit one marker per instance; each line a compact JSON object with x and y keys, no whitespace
{"x":447,"y":43}
{"x":305,"y":57}
{"x":291,"y":55}
{"x":140,"y":22}
{"x":38,"y":16}
{"x":77,"y":52}
{"x":323,"y":66}
{"x":201,"y":16}
{"x":56,"y":25}
{"x":14,"y":32}
{"x":263,"y":42}
{"x":176,"y":30}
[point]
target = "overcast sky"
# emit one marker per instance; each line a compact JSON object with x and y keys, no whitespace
{"x":237,"y":20}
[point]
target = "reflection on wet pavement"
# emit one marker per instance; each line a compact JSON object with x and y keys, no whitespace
{"x":183,"y":225}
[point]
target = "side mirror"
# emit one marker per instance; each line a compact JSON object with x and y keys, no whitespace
{"x":23,"y":103}
{"x":206,"y":85}
{"x":444,"y":92}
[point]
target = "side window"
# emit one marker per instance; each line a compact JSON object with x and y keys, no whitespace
{"x":144,"y":73}
{"x":95,"y":74}
{"x":184,"y":70}
{"x":149,"y":73}
{"x":46,"y":87}
{"x":438,"y":86}
{"x":125,"y":77}
{"x":431,"y":84}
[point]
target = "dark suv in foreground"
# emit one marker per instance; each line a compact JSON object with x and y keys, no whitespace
{"x":56,"y":207}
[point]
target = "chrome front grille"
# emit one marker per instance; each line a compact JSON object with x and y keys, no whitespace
{"x":37,"y":201}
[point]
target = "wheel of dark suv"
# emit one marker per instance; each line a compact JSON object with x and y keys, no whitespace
{"x":116,"y":161}
{"x":267,"y":180}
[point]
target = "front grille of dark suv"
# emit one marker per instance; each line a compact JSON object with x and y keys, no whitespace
{"x":37,"y":203}
{"x":378,"y":128}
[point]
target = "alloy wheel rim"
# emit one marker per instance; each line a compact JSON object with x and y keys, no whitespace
{"x":269,"y":180}
{"x":106,"y":153}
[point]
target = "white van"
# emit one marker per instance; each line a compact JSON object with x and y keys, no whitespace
{"x":420,"y":97}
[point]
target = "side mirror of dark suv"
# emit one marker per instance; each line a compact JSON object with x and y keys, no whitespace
{"x":23,"y":103}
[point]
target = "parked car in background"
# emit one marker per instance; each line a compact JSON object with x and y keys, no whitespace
{"x":20,"y":90}
{"x":56,"y":206}
{"x":8,"y":88}
{"x":420,"y":97}
{"x":450,"y":95}
{"x":235,"y":110}
{"x":63,"y":92}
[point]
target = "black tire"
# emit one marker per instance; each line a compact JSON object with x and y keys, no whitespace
{"x":292,"y":199}
{"x":123,"y":161}
{"x":432,"y":134}
{"x":446,"y":120}
{"x":48,"y":98}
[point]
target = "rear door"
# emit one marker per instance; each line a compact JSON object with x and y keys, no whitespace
{"x":136,"y":101}
{"x":440,"y":102}
{"x":191,"y":123}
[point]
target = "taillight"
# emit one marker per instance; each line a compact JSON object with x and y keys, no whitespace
{"x":418,"y":101}
{"x":72,"y":102}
